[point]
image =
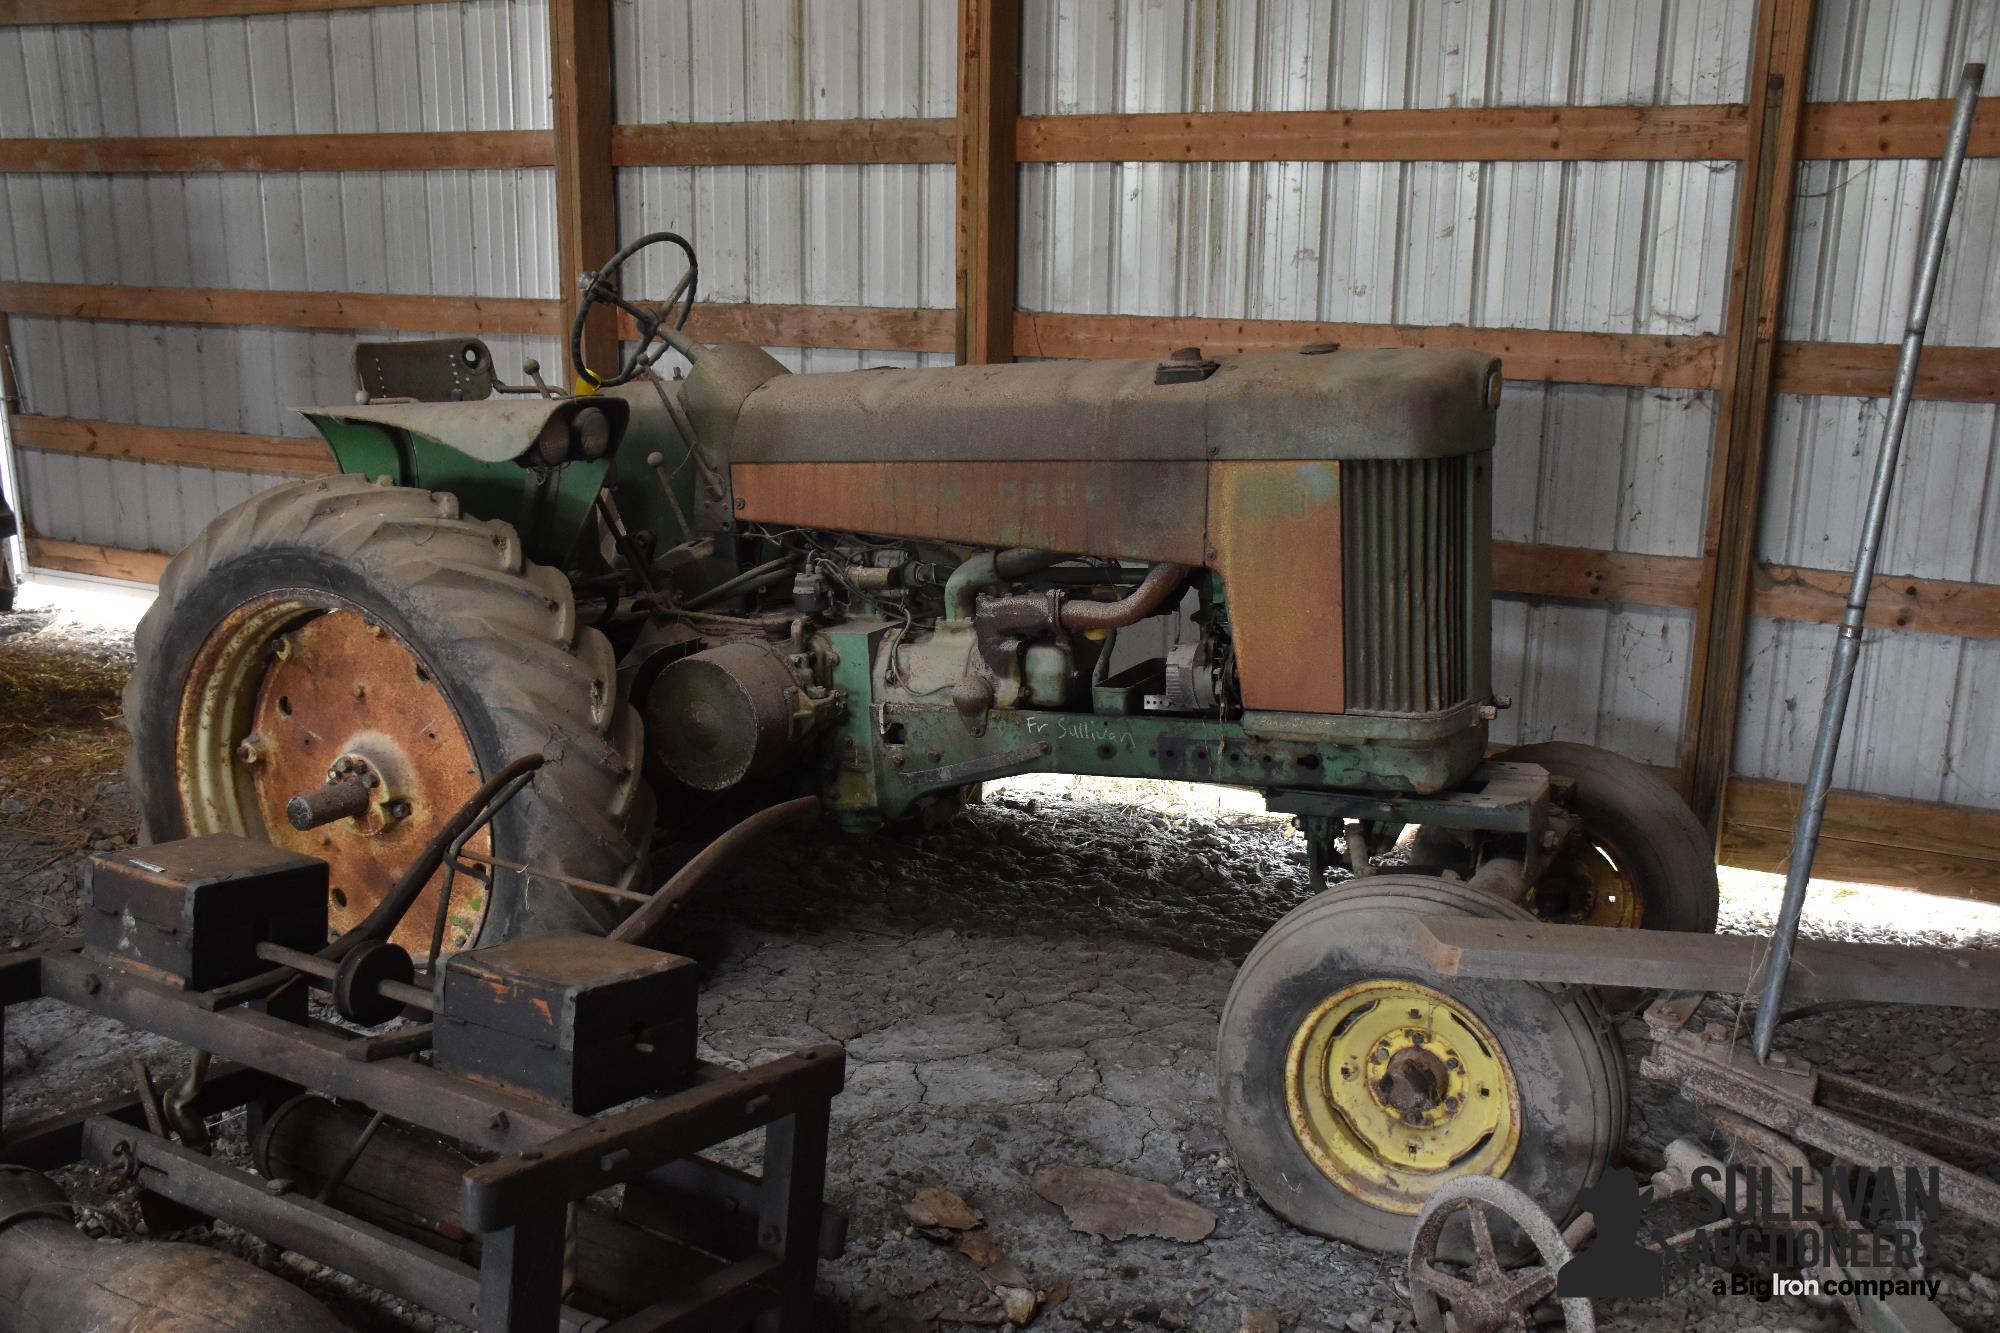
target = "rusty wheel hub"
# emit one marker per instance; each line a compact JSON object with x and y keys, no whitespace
{"x":301,"y":708}
{"x":1587,"y":885}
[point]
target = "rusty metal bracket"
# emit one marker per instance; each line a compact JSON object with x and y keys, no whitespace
{"x":1498,"y":797}
{"x":985,"y":766}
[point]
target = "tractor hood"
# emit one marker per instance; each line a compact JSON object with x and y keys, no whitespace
{"x":1333,"y":404}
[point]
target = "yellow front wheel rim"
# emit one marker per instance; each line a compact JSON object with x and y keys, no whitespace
{"x":1394,"y":1088}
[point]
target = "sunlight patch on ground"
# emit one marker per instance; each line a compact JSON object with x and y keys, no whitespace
{"x":96,"y":603}
{"x":1178,"y":800}
{"x":1868,"y":907}
{"x":1749,"y":897}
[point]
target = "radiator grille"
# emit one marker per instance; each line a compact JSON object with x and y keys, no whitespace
{"x":1406,"y":528}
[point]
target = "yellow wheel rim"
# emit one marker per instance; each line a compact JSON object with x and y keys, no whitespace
{"x":1588,"y":886}
{"x":1394,"y":1089}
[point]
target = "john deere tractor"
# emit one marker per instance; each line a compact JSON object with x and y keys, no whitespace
{"x":698,"y":596}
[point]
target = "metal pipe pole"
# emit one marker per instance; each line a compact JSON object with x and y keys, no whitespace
{"x":1847,"y":647}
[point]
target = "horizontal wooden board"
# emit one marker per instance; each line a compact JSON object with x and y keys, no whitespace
{"x":110,"y":562}
{"x":356,"y":311}
{"x":444,"y":151}
{"x":172,"y":444}
{"x":1957,"y":374}
{"x":1452,"y":134}
{"x":877,"y":328}
{"x":1867,"y":370}
{"x":1781,"y":592}
{"x":1927,"y":606}
{"x":1948,"y":850}
{"x":1967,"y":374}
{"x":1577,"y":574}
{"x":1822,"y":970}
{"x":1647,"y":360}
{"x":1908,"y":825}
{"x":784,"y":142}
{"x":870,"y":328}
{"x":1855,"y":860}
{"x":1893,"y":129}
{"x":128,"y":11}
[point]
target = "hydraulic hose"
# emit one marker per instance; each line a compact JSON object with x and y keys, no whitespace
{"x":667,"y":899}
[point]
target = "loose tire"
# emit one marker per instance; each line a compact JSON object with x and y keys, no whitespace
{"x":1321,"y":1121}
{"x":342,"y":621}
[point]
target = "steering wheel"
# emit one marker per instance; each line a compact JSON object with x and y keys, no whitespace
{"x":655,"y":320}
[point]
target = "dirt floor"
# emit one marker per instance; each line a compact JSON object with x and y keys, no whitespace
{"x":1037,"y":985}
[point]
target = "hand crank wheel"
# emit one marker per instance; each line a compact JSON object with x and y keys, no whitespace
{"x":1486,"y":1295}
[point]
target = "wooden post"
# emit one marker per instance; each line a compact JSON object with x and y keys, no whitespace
{"x":10,"y":405}
{"x":586,"y":191}
{"x":989,"y":100}
{"x":1750,"y":329}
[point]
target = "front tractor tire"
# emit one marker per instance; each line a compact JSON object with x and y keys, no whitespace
{"x":1355,"y":1083}
{"x":338,"y":626}
{"x":1640,"y":860}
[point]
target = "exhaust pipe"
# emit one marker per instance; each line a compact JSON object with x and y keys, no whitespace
{"x":55,"y":1279}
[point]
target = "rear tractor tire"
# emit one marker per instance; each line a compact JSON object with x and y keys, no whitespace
{"x":1355,"y":1083}
{"x":1641,"y":859}
{"x":337,"y":626}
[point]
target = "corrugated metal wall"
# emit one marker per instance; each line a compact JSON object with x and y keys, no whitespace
{"x":1611,"y":247}
{"x":1600,"y":247}
{"x":478,"y":65}
{"x":820,"y":235}
{"x":1922,"y":722}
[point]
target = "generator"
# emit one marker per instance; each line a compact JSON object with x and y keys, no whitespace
{"x":700,"y":594}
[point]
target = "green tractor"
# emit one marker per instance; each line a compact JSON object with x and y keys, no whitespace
{"x":696,"y":597}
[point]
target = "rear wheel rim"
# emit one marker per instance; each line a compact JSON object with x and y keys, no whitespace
{"x":1394,"y":1089}
{"x":291,"y":687}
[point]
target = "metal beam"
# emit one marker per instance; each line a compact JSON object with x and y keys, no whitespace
{"x":1822,"y":970}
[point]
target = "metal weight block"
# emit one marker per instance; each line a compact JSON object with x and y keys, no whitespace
{"x":192,"y":913}
{"x":576,"y":1020}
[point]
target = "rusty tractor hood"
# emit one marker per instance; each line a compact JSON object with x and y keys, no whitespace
{"x":1366,"y":403}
